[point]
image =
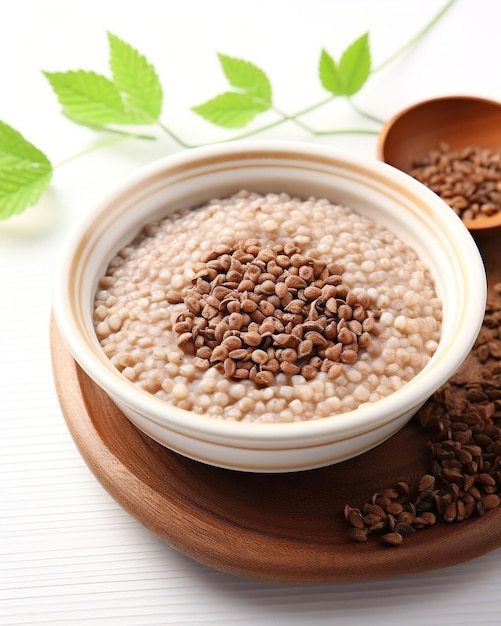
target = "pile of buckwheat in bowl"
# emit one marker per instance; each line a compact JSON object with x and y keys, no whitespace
{"x":268,"y":309}
{"x":270,"y":306}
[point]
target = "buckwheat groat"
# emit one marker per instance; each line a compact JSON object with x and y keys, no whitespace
{"x":267,"y":309}
{"x":468,"y":179}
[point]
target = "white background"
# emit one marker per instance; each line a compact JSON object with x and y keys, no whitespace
{"x":68,"y":553}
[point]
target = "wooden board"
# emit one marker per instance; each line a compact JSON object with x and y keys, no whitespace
{"x":271,"y":527}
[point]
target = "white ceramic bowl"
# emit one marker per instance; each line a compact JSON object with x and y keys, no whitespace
{"x":192,"y":177}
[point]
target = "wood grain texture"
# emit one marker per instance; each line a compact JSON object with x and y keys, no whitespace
{"x":270,"y":527}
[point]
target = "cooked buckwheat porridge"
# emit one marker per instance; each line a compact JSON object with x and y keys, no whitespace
{"x":267,"y":309}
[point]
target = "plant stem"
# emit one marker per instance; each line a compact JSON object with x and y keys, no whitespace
{"x":173,"y":135}
{"x":348,"y":131}
{"x":127,"y":135}
{"x":293,"y":118}
{"x":244,"y":135}
{"x":363,"y":113}
{"x":416,"y":37}
{"x":312,"y":107}
{"x":283,"y":118}
{"x":98,"y":146}
{"x":119,"y":136}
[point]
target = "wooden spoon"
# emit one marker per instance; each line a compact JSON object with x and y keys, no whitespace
{"x":459,"y":121}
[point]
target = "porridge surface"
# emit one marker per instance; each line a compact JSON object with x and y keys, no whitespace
{"x":147,"y":285}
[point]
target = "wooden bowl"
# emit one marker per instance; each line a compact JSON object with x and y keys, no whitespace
{"x":281,"y":528}
{"x":456,"y":120}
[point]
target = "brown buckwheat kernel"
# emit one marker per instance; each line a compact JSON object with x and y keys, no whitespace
{"x":469,"y":179}
{"x":303,"y":321}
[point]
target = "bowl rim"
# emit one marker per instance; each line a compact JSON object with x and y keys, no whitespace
{"x":481,"y":224}
{"x":301,"y":433}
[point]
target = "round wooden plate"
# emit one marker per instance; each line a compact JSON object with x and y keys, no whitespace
{"x":271,"y":527}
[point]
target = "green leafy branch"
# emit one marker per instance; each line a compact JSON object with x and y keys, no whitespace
{"x":252,"y":94}
{"x":132,"y":97}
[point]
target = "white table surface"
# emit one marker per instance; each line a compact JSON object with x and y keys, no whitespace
{"x":69,"y":554}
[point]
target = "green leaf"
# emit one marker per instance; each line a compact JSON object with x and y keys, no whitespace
{"x":247,"y":77}
{"x":25,"y":172}
{"x":329,"y":74}
{"x":349,"y":75}
{"x":355,"y":65}
{"x":137,"y":80}
{"x":88,"y":98}
{"x":231,"y":109}
{"x":235,"y":109}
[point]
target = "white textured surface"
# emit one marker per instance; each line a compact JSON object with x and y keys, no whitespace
{"x":68,"y":553}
